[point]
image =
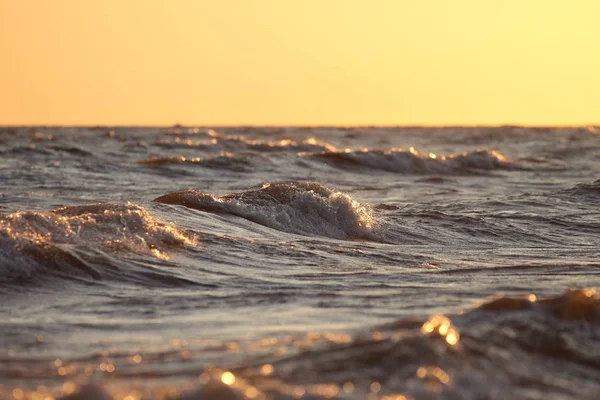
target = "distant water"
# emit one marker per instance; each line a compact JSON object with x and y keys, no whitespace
{"x":299,"y":263}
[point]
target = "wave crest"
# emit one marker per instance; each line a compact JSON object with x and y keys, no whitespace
{"x":237,"y":143}
{"x":65,"y":237}
{"x":222,"y":161}
{"x":412,"y":161}
{"x":305,"y":208}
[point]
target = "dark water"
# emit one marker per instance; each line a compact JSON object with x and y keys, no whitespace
{"x":287,"y":263}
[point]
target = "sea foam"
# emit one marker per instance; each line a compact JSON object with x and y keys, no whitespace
{"x":305,"y":208}
{"x":59,"y":239}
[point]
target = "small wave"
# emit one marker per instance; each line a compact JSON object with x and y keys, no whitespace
{"x":178,"y":143}
{"x":236,"y":143}
{"x":297,"y":207}
{"x":222,"y":161}
{"x":192,"y":132}
{"x":585,"y":189}
{"x":74,"y":150}
{"x":412,"y":161}
{"x":71,"y":238}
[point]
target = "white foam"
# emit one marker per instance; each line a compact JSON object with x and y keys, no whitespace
{"x":27,"y":236}
{"x":303,"y":208}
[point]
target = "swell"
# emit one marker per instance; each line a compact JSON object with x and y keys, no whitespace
{"x":239,"y":143}
{"x":91,"y":242}
{"x":223,"y":161}
{"x":412,"y":161}
{"x":505,"y":347}
{"x":305,"y":208}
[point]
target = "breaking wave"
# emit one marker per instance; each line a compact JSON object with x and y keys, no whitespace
{"x":81,"y":240}
{"x":297,"y":207}
{"x":412,"y":161}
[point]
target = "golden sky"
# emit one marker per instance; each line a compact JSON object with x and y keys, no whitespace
{"x":305,"y":62}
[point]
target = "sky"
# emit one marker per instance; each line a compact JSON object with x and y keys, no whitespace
{"x":308,"y":62}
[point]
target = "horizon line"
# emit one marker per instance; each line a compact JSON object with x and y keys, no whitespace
{"x":241,"y":125}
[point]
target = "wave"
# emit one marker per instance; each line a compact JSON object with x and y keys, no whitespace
{"x":191,"y":132}
{"x":237,"y":143}
{"x":222,"y":161}
{"x":81,"y":241}
{"x":412,"y":161}
{"x":585,"y":189}
{"x":305,"y":208}
{"x":508,"y":347}
{"x":517,"y":347}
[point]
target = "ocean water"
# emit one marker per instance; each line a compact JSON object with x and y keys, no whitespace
{"x":299,"y":263}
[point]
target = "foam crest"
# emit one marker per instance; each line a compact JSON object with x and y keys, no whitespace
{"x":49,"y":237}
{"x":297,"y":207}
{"x":412,"y":161}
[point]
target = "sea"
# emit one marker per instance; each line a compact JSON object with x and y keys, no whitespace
{"x":390,"y":263}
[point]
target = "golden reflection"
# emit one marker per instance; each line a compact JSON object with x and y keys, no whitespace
{"x":268,"y":342}
{"x":441,"y":325}
{"x":443,"y":330}
{"x":267,"y":370}
{"x":375,"y":387}
{"x":433,"y":372}
{"x":324,"y":390}
{"x":348,"y":387}
{"x":395,"y":397}
{"x":532,"y":297}
{"x":69,"y":387}
{"x":228,"y":378}
{"x":18,"y":393}
{"x":233,"y":347}
{"x":136,"y":359}
{"x":251,"y":392}
{"x":452,"y":337}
